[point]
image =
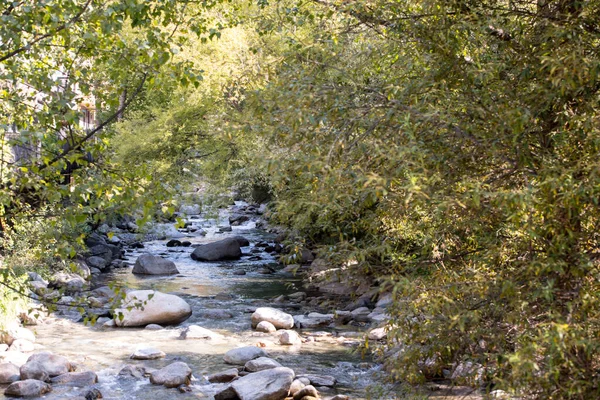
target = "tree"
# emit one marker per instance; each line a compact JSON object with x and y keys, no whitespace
{"x":461,"y":140}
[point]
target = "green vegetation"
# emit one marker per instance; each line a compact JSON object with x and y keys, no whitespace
{"x":446,"y":151}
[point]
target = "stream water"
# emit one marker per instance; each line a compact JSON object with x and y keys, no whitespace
{"x":205,"y":286}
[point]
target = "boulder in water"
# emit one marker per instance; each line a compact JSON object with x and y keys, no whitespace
{"x":226,"y":249}
{"x":151,"y":307}
{"x":278,"y":318}
{"x":270,"y":384}
{"x":173,"y":375}
{"x":241,"y":355}
{"x":27,"y":388}
{"x":148,"y":264}
{"x":9,"y":373}
{"x":45,"y":365}
{"x":76,"y":379}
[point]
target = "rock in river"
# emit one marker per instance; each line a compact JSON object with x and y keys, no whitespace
{"x":242,"y":355}
{"x":9,"y":373}
{"x":226,"y":249}
{"x":151,"y":307}
{"x":45,"y":365}
{"x":27,"y":388}
{"x":148,"y":264}
{"x":270,"y":384}
{"x":173,"y":375}
{"x":277,"y":317}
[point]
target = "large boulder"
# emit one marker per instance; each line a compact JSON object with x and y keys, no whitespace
{"x":278,"y":318}
{"x":173,"y":375}
{"x":148,"y":264}
{"x":144,"y":307}
{"x":27,"y":388}
{"x":226,"y":249}
{"x":241,"y":240}
{"x":241,"y":355}
{"x":270,"y":384}
{"x":45,"y":365}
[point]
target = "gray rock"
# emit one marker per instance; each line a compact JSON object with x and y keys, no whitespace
{"x":173,"y":375}
{"x":193,"y":209}
{"x":340,"y":397}
{"x":223,"y":376}
{"x":71,"y":283}
{"x":308,"y":390}
{"x":226,"y":249}
{"x":45,"y":365}
{"x":260,"y":364}
{"x":153,"y":327}
{"x":105,"y":251}
{"x":76,"y":379}
{"x":148,"y":264}
{"x":278,"y":318}
{"x":298,"y":296}
{"x":242,"y":241}
{"x":96,"y":262}
{"x":147,"y":353}
{"x":288,"y":337}
{"x":27,"y":388}
{"x":265,"y":326}
{"x":270,"y":384}
{"x":132,"y":371}
{"x":241,"y":355}
{"x":320,"y":380}
{"x":361,"y":314}
{"x":385,"y":300}
{"x":313,"y":320}
{"x":158,"y":308}
{"x":227,"y":394}
{"x":9,"y":373}
{"x":92,"y":394}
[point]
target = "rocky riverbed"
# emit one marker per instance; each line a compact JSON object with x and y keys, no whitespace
{"x":238,"y":303}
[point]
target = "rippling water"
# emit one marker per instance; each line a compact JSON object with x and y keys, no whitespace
{"x":107,"y":350}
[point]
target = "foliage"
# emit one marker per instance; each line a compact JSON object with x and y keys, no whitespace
{"x":449,"y":150}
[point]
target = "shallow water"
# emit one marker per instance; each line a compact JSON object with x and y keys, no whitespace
{"x":107,"y":350}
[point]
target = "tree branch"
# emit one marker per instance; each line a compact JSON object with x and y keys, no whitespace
{"x":69,"y":148}
{"x":62,"y":27}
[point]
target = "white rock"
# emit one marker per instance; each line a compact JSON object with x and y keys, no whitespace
{"x":278,"y":318}
{"x":265,"y":326}
{"x":152,"y":307}
{"x":288,"y":337}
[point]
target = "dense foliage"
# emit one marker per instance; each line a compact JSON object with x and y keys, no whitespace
{"x":446,"y":151}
